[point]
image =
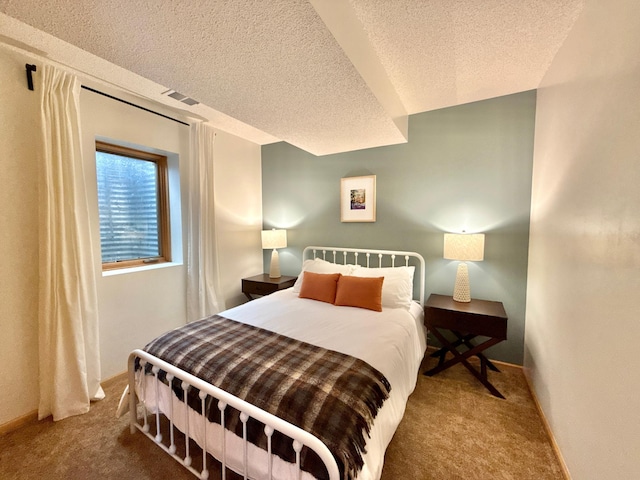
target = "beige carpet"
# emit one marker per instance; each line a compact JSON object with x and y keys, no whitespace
{"x":452,"y":429}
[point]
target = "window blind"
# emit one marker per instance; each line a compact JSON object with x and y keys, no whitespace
{"x":128,"y":204}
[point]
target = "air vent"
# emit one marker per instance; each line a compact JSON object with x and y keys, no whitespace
{"x":177,"y":96}
{"x":180,"y":97}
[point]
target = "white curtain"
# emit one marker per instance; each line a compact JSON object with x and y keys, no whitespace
{"x":69,"y":355}
{"x":203,"y":277}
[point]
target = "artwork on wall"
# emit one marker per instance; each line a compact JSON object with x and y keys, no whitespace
{"x":358,"y":199}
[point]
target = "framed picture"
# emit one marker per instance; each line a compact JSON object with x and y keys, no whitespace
{"x":358,"y":199}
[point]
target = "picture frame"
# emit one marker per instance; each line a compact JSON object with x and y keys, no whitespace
{"x":358,"y":199}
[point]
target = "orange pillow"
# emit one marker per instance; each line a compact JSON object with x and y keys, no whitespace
{"x":362,"y":292}
{"x":319,"y":286}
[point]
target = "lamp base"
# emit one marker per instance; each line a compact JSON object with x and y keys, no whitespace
{"x":461,"y":291}
{"x":274,"y":270}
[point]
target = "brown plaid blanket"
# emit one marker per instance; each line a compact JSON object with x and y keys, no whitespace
{"x":331,"y":395}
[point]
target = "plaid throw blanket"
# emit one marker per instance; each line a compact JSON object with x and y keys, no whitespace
{"x":331,"y":395}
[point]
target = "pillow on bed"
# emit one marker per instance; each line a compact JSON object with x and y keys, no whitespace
{"x":360,"y":292}
{"x":318,"y":265}
{"x":320,"y":286}
{"x":397,"y":289}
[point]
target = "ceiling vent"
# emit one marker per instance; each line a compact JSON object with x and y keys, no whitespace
{"x":180,"y":97}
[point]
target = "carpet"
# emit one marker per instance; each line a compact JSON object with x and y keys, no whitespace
{"x":453,"y":428}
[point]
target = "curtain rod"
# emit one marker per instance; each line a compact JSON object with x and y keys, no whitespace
{"x":134,"y":105}
{"x":32,"y":68}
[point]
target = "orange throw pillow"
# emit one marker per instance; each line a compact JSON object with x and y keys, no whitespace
{"x":319,"y":286}
{"x":362,"y":292}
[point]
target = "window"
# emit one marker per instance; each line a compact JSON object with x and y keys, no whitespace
{"x":133,"y":199}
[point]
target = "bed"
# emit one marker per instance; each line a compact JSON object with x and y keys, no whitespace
{"x":384,"y":338}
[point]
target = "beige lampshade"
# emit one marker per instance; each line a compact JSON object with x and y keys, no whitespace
{"x":272,"y":239}
{"x":464,"y":246}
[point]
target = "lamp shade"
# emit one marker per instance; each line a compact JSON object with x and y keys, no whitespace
{"x":464,"y":246}
{"x":272,"y":239}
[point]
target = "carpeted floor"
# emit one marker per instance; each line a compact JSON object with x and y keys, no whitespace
{"x":452,"y":429}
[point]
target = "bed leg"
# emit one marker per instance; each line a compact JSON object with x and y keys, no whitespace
{"x":133,"y":407}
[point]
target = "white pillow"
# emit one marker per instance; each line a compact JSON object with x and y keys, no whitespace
{"x":317,"y":265}
{"x":397,"y":287}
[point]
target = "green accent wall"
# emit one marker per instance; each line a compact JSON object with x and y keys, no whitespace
{"x":465,"y":168}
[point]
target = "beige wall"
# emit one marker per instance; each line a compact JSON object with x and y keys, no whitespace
{"x":19,"y":146}
{"x":582,"y":325}
{"x":133,"y":307}
{"x":238,"y":190}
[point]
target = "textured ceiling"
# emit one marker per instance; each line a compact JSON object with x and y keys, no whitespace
{"x":448,"y":52}
{"x":325,"y":75}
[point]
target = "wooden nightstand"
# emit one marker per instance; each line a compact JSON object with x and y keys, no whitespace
{"x":263,"y":285}
{"x":467,"y":321}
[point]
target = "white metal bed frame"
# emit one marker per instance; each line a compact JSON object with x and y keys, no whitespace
{"x":224,"y":399}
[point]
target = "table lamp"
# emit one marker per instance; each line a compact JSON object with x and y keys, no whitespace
{"x":464,"y":247}
{"x":273,"y":239}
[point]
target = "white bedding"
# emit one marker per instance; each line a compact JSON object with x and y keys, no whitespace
{"x":392,"y":341}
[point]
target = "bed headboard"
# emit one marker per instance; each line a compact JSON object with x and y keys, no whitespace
{"x":370,"y":258}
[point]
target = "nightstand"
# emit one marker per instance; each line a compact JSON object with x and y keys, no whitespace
{"x":478,"y":318}
{"x":263,"y":285}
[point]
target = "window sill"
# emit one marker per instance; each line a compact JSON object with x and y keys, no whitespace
{"x":142,"y":268}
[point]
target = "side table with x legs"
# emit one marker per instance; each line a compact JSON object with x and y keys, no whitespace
{"x":478,"y":318}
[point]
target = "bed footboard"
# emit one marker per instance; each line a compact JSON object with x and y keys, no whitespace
{"x":189,"y":420}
